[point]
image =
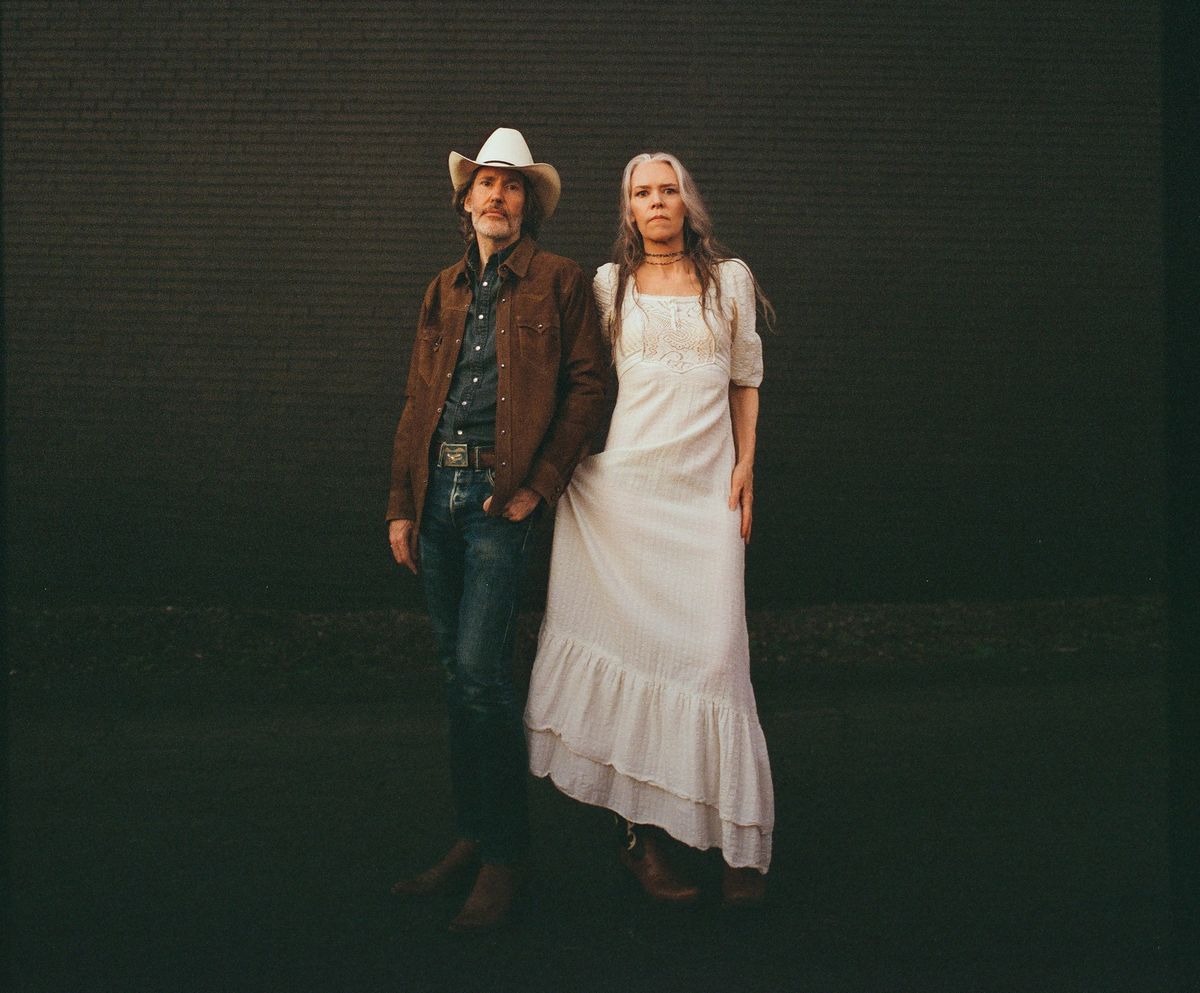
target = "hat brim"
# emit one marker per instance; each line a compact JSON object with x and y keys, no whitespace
{"x":542,"y":175}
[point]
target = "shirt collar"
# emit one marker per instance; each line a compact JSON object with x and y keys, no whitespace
{"x":515,"y":259}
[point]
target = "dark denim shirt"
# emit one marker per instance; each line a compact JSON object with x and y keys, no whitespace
{"x":470,"y":411}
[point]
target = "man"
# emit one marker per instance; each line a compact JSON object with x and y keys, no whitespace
{"x":505,"y":387}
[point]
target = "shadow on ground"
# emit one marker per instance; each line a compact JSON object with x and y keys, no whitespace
{"x":970,"y":797}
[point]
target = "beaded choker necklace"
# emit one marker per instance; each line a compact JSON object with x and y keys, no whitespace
{"x":672,"y":256}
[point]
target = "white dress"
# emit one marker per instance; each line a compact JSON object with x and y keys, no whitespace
{"x":640,"y":698}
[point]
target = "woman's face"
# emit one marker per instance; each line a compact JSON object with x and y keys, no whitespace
{"x":656,"y":203}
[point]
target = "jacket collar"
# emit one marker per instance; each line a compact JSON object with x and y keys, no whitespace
{"x":517,"y":262}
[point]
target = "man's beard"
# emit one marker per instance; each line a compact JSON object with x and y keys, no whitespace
{"x":497,"y":227}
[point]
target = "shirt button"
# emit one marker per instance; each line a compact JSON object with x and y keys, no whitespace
{"x":475,"y":380}
{"x":480,"y":316}
{"x":458,"y":432}
{"x":485,"y":282}
{"x":464,"y":403}
{"x":477,"y":347}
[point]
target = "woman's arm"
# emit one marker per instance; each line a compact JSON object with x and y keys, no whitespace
{"x":743,"y":410}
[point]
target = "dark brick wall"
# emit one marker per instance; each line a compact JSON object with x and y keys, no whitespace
{"x":220,"y":217}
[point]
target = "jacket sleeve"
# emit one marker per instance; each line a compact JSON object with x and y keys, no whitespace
{"x":401,"y":505}
{"x":582,"y":385}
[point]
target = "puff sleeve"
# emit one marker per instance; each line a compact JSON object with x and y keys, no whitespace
{"x":745,"y":364}
{"x":604,"y":288}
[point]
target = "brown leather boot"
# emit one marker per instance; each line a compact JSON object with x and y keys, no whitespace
{"x":645,"y":859}
{"x":490,"y":901}
{"x":454,"y":864}
{"x":743,"y":887}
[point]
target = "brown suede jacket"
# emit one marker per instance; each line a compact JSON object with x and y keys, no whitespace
{"x":552,"y":377}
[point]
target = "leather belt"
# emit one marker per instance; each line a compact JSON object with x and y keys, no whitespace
{"x":454,"y":456}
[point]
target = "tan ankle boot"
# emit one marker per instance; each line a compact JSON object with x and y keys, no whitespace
{"x":454,"y":864}
{"x":490,"y":901}
{"x":645,"y":859}
{"x":743,"y":887}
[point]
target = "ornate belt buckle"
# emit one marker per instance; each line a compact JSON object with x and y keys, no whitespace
{"x":454,"y":456}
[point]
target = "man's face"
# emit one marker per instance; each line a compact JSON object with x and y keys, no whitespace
{"x":496,"y":203}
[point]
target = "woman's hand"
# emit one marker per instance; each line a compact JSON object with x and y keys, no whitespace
{"x":402,"y":536}
{"x":523,"y":503}
{"x":741,"y":494}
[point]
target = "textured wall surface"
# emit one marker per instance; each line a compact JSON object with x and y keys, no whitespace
{"x":220,"y":218}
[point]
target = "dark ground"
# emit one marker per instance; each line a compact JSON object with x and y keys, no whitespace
{"x":970,"y":797}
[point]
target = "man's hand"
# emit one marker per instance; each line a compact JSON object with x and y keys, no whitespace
{"x":523,"y":503}
{"x":741,"y":494}
{"x":402,"y":536}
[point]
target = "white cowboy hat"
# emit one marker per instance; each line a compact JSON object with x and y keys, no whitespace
{"x":506,"y":149}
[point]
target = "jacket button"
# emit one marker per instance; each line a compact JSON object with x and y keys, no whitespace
{"x":503,"y":431}
{"x":503,"y":465}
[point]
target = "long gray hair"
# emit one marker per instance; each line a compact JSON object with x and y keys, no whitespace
{"x":700,"y":245}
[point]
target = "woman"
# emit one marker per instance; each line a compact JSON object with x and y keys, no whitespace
{"x":640,"y":699}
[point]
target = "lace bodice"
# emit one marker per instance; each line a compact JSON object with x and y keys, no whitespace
{"x":677,"y":333}
{"x":672,"y":332}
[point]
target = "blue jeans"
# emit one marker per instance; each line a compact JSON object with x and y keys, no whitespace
{"x":471,"y":567}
